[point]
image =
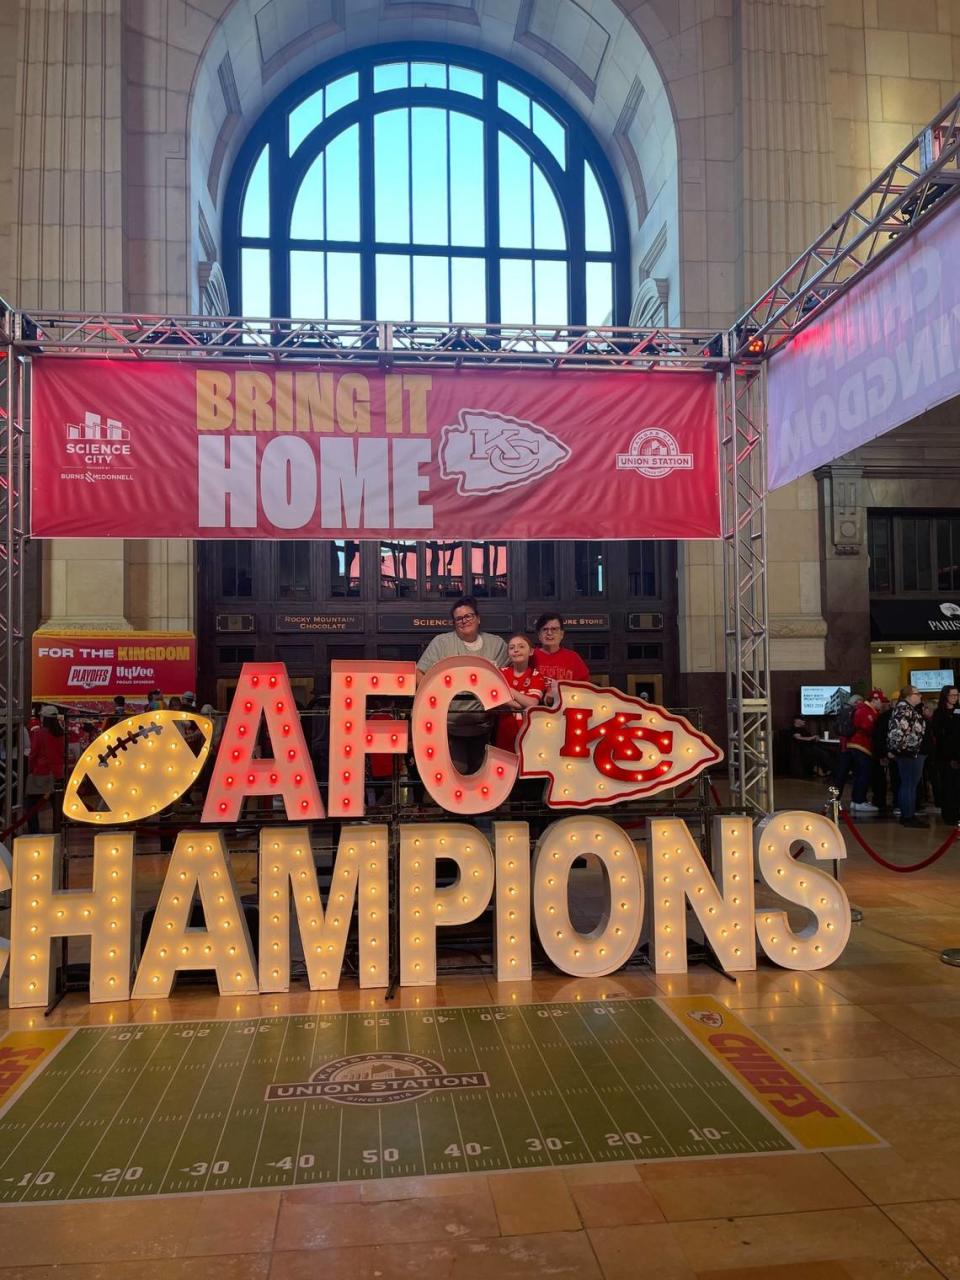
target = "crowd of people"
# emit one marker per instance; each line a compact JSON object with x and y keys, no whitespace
{"x":894,"y":752}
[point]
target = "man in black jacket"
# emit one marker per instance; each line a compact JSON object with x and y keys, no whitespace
{"x":904,"y":742}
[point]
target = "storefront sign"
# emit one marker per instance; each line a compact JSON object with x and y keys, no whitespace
{"x":144,"y":449}
{"x":577,"y":621}
{"x":319,"y":622}
{"x":597,"y":746}
{"x":915,"y":619}
{"x":498,"y":623}
{"x":879,"y":356}
{"x":94,"y":666}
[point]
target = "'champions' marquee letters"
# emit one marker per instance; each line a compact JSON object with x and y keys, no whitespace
{"x":596,"y":747}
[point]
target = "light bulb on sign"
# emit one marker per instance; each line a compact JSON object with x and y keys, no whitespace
{"x":138,"y":767}
{"x":361,"y":863}
{"x":721,"y":912}
{"x":422,"y":902}
{"x":459,"y":793}
{"x":604,"y":757}
{"x":226,"y":926}
{"x":352,"y":735}
{"x":290,"y":774}
{"x":512,"y":950}
{"x":822,"y":941}
{"x":42,"y":912}
{"x":608,"y":946}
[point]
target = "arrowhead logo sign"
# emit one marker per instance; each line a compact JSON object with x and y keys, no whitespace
{"x":600,"y":746}
{"x":488,"y":452}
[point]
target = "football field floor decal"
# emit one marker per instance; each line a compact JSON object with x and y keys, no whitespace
{"x":179,"y":1107}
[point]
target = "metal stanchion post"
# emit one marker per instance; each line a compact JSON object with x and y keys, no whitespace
{"x":952,"y":954}
{"x":856,"y":915}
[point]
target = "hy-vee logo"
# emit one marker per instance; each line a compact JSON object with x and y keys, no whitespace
{"x":488,"y":452}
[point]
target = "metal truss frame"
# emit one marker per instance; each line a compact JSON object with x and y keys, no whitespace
{"x":13,"y":534}
{"x":746,"y":630}
{"x":281,"y":341}
{"x":911,"y":188}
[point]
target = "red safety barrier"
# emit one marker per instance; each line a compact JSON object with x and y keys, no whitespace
{"x":892,"y":866}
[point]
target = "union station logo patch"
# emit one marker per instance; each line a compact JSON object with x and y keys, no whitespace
{"x":377,"y":1078}
{"x":654,"y":453}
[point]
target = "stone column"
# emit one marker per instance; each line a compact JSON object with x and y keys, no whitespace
{"x":67,"y":251}
{"x":845,"y":569}
{"x":785,"y":179}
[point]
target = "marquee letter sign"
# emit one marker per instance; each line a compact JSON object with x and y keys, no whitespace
{"x":596,"y":747}
{"x":600,"y":746}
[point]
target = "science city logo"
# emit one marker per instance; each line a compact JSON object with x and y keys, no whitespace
{"x":94,"y":447}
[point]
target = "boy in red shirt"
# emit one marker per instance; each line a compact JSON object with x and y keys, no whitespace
{"x":860,"y":746}
{"x":553,"y":661}
{"x":528,"y":687}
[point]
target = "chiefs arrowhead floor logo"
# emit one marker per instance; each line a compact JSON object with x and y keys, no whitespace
{"x":487,"y":452}
{"x":600,"y":746}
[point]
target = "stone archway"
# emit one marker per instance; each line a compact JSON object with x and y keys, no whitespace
{"x":602,"y":62}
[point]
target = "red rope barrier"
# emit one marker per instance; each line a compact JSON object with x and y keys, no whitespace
{"x":892,"y":866}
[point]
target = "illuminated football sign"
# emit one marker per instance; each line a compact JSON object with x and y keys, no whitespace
{"x":597,"y":746}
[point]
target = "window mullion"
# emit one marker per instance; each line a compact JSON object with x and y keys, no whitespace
{"x":491,"y":164}
{"x":573,"y":200}
{"x":279,"y":201}
{"x":368,"y":265}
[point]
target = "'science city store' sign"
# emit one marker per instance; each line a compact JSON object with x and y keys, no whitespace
{"x":596,"y":748}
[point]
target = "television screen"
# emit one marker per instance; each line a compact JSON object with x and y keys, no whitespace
{"x":822,"y":699}
{"x":932,"y":681}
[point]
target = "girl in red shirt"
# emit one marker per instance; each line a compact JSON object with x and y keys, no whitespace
{"x":528,"y":687}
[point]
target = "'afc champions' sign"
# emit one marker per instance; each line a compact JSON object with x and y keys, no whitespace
{"x":158,"y":449}
{"x":595,"y":748}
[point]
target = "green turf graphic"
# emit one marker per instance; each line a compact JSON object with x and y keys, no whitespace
{"x":183,"y":1107}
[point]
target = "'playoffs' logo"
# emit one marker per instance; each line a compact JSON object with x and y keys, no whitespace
{"x":600,"y":746}
{"x":89,"y":677}
{"x":654,"y":453}
{"x":487,"y":452}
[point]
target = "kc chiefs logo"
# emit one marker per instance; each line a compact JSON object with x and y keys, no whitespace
{"x":600,"y":746}
{"x":488,"y":452}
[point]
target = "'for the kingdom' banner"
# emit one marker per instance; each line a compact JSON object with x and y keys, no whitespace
{"x":163,"y":450}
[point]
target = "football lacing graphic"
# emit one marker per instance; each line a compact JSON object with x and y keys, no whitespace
{"x":128,"y":740}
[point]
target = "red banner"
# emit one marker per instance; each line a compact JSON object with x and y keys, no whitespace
{"x":94,"y":666}
{"x":162,"y":450}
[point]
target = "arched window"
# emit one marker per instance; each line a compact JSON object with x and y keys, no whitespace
{"x":425,"y":184}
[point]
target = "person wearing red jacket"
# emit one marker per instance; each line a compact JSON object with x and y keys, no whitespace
{"x":860,"y":746}
{"x":46,"y":763}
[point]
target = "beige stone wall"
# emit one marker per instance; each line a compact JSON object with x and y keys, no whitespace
{"x":9,"y":48}
{"x":893,"y":64}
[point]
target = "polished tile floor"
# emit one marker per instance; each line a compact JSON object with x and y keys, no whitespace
{"x":881,"y":1029}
